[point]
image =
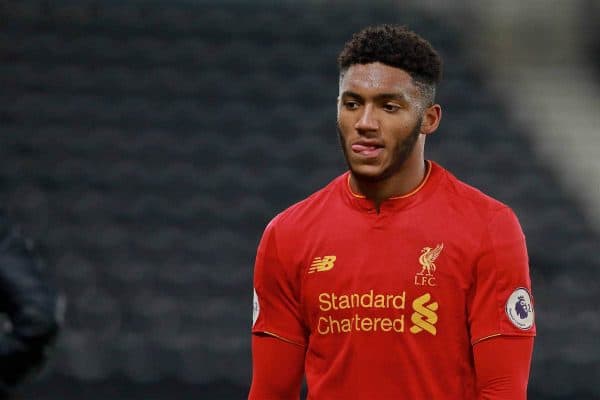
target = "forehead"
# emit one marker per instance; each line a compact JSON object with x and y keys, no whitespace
{"x":375,"y":78}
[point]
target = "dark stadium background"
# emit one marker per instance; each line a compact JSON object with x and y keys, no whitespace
{"x":144,"y":145}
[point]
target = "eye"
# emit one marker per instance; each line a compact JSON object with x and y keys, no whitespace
{"x":351,"y":105}
{"x":391,"y":107}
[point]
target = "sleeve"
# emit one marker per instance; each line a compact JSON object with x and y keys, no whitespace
{"x":277,"y":306}
{"x":501,"y":302}
{"x":30,"y":305}
{"x":502,"y":365}
{"x":277,"y":369}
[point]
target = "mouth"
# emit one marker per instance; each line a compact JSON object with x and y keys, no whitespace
{"x":366,"y":149}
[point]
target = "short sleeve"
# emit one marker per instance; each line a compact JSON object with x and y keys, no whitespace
{"x":276,"y":292}
{"x":501,"y":301}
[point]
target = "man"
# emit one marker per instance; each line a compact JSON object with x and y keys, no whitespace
{"x":396,"y":280}
{"x":30,"y":307}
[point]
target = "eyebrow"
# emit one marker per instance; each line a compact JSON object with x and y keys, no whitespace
{"x":379,"y":97}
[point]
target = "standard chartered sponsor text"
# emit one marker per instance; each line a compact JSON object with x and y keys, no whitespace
{"x":331,"y":323}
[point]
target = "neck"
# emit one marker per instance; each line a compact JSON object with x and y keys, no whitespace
{"x":400,"y":184}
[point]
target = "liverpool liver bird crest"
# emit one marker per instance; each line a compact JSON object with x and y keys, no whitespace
{"x":427,"y":258}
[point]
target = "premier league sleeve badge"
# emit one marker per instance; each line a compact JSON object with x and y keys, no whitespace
{"x":519,"y":309}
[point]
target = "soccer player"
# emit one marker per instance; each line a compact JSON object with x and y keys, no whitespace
{"x":396,"y":280}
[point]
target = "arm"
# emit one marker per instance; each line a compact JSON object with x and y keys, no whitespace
{"x":501,"y":313}
{"x":29,"y":304}
{"x":502,"y":367}
{"x":277,"y":368}
{"x":279,"y":337}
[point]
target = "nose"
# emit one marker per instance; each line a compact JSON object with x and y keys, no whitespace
{"x":367,"y":120}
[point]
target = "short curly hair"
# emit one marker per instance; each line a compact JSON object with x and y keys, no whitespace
{"x":396,"y":46}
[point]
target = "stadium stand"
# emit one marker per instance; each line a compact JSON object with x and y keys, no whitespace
{"x":145,"y":145}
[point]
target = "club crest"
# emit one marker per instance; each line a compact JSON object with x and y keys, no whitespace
{"x":426,"y":277}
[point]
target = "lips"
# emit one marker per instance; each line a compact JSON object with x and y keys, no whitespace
{"x":367,"y":149}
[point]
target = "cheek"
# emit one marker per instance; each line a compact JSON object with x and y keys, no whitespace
{"x":344,"y":122}
{"x":400,"y":129}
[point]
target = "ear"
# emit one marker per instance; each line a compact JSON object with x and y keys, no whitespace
{"x":431,"y":119}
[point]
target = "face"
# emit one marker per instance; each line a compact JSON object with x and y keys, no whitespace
{"x":380,"y":113}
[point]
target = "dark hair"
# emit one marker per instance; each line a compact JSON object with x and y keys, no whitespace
{"x":399,"y":47}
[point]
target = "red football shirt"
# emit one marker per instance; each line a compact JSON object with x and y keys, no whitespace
{"x":389,"y":304}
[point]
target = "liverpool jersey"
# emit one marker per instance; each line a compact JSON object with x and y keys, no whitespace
{"x":388,"y":303}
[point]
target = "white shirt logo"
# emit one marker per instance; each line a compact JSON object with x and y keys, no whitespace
{"x":255,"y":308}
{"x":519,"y":309}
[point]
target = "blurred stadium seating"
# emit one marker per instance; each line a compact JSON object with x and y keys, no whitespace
{"x":145,"y":145}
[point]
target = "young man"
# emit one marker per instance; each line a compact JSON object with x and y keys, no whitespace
{"x":396,"y":280}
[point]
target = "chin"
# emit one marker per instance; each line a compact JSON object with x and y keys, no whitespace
{"x":368,"y":173}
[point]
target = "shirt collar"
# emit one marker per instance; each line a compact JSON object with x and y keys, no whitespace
{"x":418,"y":194}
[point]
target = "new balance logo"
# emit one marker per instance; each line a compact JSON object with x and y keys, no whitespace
{"x":322,"y":264}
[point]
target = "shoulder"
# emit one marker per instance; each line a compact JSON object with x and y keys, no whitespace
{"x":472,"y":199}
{"x":304,"y":212}
{"x":296,"y":224}
{"x":490,"y":217}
